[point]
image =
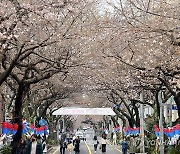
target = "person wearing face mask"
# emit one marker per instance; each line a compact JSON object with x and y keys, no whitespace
{"x":34,"y":147}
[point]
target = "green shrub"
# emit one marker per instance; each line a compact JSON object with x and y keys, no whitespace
{"x":5,"y":150}
{"x":173,"y":150}
{"x":52,"y":142}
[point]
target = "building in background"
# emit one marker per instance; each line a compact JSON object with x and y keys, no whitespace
{"x":148,"y":111}
{"x":167,"y":111}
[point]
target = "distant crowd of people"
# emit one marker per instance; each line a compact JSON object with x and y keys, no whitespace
{"x":74,"y":144}
{"x":34,"y":144}
{"x":103,"y":142}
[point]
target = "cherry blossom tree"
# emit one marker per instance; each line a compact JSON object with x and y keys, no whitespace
{"x":143,"y":43}
{"x":38,"y":41}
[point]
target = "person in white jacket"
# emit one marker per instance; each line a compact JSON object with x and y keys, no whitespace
{"x":114,"y":139}
{"x":103,"y":144}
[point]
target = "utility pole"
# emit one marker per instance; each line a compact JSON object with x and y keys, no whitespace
{"x":170,"y":109}
{"x":142,"y":149}
{"x":63,"y":123}
{"x":161,"y":133}
{"x":57,"y":130}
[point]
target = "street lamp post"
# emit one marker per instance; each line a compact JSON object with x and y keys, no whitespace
{"x":57,"y":130}
{"x":170,"y":118}
{"x":161,"y":133}
{"x":142,"y":149}
{"x":63,"y":123}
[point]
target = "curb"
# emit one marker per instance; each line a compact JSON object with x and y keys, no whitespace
{"x":49,"y":149}
{"x":52,"y":149}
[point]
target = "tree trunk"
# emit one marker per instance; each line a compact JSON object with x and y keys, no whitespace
{"x":131,"y":122}
{"x":17,"y":119}
{"x":114,"y":121}
{"x":157,"y":104}
{"x":137,"y":116}
{"x":130,"y":119}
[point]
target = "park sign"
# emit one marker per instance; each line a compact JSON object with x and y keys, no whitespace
{"x":84,"y":111}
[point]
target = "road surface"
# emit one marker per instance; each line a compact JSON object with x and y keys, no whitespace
{"x":87,"y":147}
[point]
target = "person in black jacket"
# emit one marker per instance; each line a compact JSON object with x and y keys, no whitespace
{"x":77,"y":145}
{"x":21,"y":147}
{"x":96,"y":142}
{"x":63,"y":145}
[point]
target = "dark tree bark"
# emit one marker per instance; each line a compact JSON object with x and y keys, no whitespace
{"x":137,"y":116}
{"x":157,"y":103}
{"x":7,"y":72}
{"x":18,"y":115}
{"x":130,"y":119}
{"x":115,"y":123}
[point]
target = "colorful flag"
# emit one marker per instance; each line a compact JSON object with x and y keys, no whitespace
{"x":32,"y":129}
{"x":15,"y":128}
{"x":117,"y":129}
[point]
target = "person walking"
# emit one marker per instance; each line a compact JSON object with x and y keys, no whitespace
{"x":28,"y":139}
{"x":70,"y":147}
{"x":44,"y":144}
{"x":68,"y":137}
{"x":77,"y":145}
{"x":63,"y":145}
{"x":114,"y":139}
{"x":95,"y":142}
{"x":104,"y":135}
{"x":21,"y":147}
{"x":103,"y":144}
{"x":34,"y":147}
{"x":60,"y":134}
{"x":39,"y":139}
{"x":124,"y":146}
{"x":132,"y":147}
{"x":74,"y":138}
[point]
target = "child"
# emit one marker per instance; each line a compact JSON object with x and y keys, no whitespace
{"x":70,"y":147}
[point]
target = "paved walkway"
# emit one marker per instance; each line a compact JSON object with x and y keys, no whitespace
{"x":88,"y":148}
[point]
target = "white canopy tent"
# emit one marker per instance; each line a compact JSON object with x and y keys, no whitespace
{"x":84,"y":111}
